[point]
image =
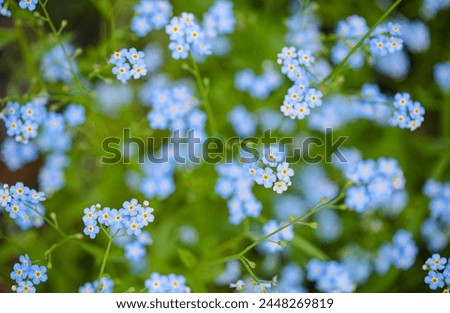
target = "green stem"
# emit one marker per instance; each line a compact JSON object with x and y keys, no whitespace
{"x":59,"y":42}
{"x":359,"y":44}
{"x":323,"y":204}
{"x":295,"y":221}
{"x":244,"y":261}
{"x":204,"y":95}
{"x":50,"y":222}
{"x":27,"y":54}
{"x":105,"y":259}
{"x":59,"y":244}
{"x":446,"y":118}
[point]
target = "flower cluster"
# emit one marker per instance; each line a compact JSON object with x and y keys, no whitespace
{"x":171,"y":283}
{"x":304,"y":29}
{"x":219,"y":20}
{"x":150,"y":15}
{"x":438,"y":273}
{"x":231,"y":273}
{"x":175,"y":108}
{"x":401,"y":253}
{"x":276,"y":242}
{"x":384,"y":40}
{"x":407,"y":113}
{"x":157,"y":179}
{"x":251,"y":286}
{"x":236,"y":185}
{"x":435,"y":228}
{"x":127,"y":221}
{"x":27,"y":276}
{"x":442,"y":76}
{"x":272,"y":171}
{"x":22,"y":122}
{"x":127,"y":64}
{"x":50,"y":134}
{"x":374,"y":183}
{"x":291,"y":279}
{"x":243,"y":123}
{"x":371,"y":104}
{"x":330,"y":276}
{"x":15,"y":155}
{"x":186,"y":36}
{"x":28,"y":4}
{"x":58,"y":65}
{"x":106,"y":286}
{"x":259,"y":87}
{"x":300,"y":98}
{"x":430,"y":8}
{"x":23,"y":204}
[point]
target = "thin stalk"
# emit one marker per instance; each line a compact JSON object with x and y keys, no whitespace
{"x":105,"y":259}
{"x":56,"y":33}
{"x":359,"y":44}
{"x":204,"y":95}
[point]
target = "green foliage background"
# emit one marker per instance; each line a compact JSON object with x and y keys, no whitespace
{"x":99,"y":27}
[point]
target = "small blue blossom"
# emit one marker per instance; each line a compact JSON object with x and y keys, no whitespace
{"x":74,"y":115}
{"x":106,"y":286}
{"x":23,"y":205}
{"x":158,"y":283}
{"x":25,"y":287}
{"x":38,"y":274}
{"x":185,"y":36}
{"x":150,"y":15}
{"x":436,"y":262}
{"x":27,"y":276}
{"x":434,"y":280}
{"x":28,"y":4}
{"x":442,"y":76}
{"x":58,"y":65}
{"x":127,"y":64}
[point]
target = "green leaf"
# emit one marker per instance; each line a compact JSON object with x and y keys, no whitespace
{"x":103,"y":6}
{"x":188,"y":259}
{"x":309,"y":248}
{"x":6,"y":36}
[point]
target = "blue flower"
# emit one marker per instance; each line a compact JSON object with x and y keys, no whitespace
{"x":157,"y":283}
{"x":119,"y":57}
{"x":150,"y":15}
{"x":180,"y":49}
{"x":122,"y":71}
{"x":134,"y":251}
{"x":28,"y":4}
{"x":105,"y":217}
{"x":284,"y":172}
{"x":38,"y":274}
{"x":357,"y":198}
{"x":91,"y":229}
{"x":442,"y":76}
{"x":131,"y":207}
{"x":265,"y":177}
{"x":434,"y":280}
{"x":90,"y":214}
{"x":74,"y":114}
{"x":25,"y":287}
{"x":20,"y":272}
{"x":5,"y":197}
{"x":13,"y":127}
{"x":35,"y":197}
{"x":59,"y":64}
{"x":436,"y":262}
